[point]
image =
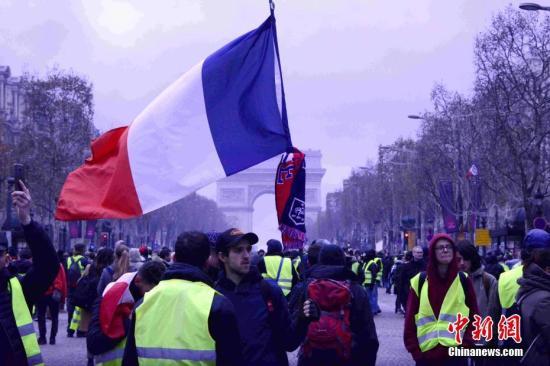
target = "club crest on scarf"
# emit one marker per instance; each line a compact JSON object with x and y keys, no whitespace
{"x":290,"y":183}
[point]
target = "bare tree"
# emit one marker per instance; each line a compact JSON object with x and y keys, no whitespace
{"x":512,"y":88}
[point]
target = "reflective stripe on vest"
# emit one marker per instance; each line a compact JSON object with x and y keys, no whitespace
{"x":296,"y":263}
{"x":368,"y":273}
{"x":23,"y":320}
{"x":508,"y":286}
{"x":185,"y":338}
{"x":430,"y":330}
{"x":272,"y":264}
{"x":378,"y":262}
{"x":112,"y":357}
{"x":75,"y":321}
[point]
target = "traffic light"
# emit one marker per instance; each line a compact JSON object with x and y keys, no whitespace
{"x":406,"y":238}
{"x":104,"y":239}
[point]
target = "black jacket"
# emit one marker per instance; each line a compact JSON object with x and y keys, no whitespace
{"x":222,"y":322}
{"x":266,"y":335}
{"x":407,"y":272}
{"x":34,"y":284}
{"x":365,"y":340}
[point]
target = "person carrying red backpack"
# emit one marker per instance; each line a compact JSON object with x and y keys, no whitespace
{"x":344,"y":334}
{"x":55,"y":295}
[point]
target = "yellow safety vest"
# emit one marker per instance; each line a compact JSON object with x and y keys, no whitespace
{"x":508,"y":286}
{"x":355,"y":268}
{"x":378,"y":261}
{"x":23,"y":320}
{"x":504,"y":267}
{"x":112,"y":357}
{"x":284,"y":280}
{"x":77,"y":260}
{"x":430,"y":330}
{"x":180,"y":309}
{"x":368,"y":273}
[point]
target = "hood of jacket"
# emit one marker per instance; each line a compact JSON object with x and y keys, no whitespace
{"x":338,"y":273}
{"x":432,"y":266}
{"x":534,"y":279}
{"x":183,"y":271}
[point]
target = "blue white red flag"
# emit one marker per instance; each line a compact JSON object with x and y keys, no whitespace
{"x":224,"y":115}
{"x":290,"y":186}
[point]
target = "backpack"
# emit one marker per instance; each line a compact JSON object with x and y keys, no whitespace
{"x":332,"y":330}
{"x":85,"y":292}
{"x":73,"y":272}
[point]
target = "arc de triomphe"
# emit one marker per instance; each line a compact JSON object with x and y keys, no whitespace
{"x":236,"y":194}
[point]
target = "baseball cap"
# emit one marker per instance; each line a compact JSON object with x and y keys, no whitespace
{"x":537,"y":239}
{"x":232,"y":237}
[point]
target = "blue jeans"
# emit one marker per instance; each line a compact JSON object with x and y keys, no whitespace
{"x":372,"y":292}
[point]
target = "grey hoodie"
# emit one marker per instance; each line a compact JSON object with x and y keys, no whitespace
{"x":534,"y":298}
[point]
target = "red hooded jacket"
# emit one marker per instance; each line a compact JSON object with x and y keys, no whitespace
{"x":436,"y":293}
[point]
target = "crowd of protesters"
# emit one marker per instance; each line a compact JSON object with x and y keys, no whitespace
{"x":214,"y":300}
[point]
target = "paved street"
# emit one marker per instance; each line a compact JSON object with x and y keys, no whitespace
{"x":67,"y":351}
{"x":72,"y":351}
{"x":389,"y":327}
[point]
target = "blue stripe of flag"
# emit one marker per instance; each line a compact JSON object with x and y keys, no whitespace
{"x":240,"y":97}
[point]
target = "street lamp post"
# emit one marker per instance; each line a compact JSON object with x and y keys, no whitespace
{"x":539,"y":197}
{"x":533,"y":7}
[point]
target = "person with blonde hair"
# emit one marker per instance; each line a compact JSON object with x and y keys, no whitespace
{"x":120,"y":265}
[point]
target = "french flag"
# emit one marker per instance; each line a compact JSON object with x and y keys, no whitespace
{"x":224,"y":115}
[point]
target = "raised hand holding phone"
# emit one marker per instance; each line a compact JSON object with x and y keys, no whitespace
{"x":22,"y":203}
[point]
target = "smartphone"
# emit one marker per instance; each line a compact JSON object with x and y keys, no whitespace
{"x":18,"y":175}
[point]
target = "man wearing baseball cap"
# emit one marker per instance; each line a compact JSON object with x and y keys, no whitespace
{"x":262,"y":310}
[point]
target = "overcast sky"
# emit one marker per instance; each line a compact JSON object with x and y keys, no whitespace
{"x":353,"y":69}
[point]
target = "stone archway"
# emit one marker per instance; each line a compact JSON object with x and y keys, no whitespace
{"x":236,"y":194}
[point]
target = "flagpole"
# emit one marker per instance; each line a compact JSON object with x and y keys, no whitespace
{"x":284,"y":115}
